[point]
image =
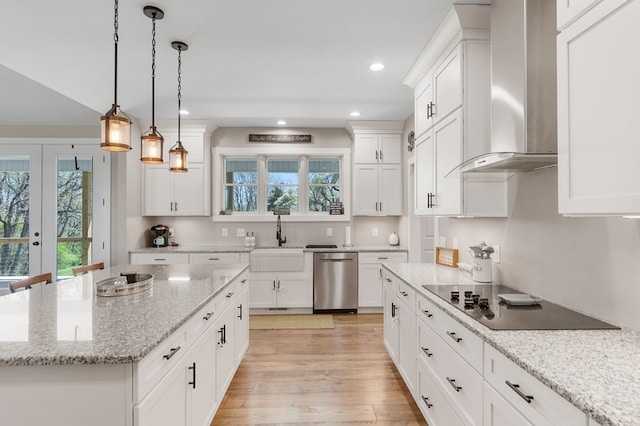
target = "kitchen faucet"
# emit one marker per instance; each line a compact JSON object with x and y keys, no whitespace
{"x":281,"y":240}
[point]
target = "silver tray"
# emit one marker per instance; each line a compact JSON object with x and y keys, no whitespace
{"x":118,"y":286}
{"x":518,"y":299}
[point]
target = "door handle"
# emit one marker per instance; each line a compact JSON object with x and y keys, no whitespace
{"x":193,"y":383}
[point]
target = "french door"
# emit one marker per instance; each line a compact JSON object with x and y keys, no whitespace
{"x":54,"y":208}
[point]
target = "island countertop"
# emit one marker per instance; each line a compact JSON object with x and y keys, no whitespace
{"x":595,"y":370}
{"x":66,"y":323}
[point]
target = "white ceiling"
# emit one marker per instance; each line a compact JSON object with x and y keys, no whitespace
{"x":249,"y":63}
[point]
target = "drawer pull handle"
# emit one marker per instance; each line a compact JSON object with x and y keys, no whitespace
{"x":516,"y":389}
{"x":193,"y":383}
{"x":228,"y":296}
{"x":426,"y":351}
{"x":243,"y":281}
{"x":426,"y":401}
{"x":214,"y":258}
{"x":427,"y":313}
{"x":388,"y":280}
{"x":208,"y":316}
{"x":454,"y":337}
{"x":383,"y":258}
{"x":452,"y":382}
{"x":172,"y":352}
{"x":159,"y":260}
{"x":404,"y":293}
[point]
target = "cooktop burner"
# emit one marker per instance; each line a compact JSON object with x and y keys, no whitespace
{"x":481,"y":302}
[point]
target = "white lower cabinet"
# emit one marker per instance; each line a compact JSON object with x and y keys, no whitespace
{"x":183,"y":381}
{"x":433,"y":405}
{"x":370,"y":276}
{"x":282,"y":290}
{"x":454,"y":376}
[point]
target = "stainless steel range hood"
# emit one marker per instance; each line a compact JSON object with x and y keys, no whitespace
{"x":523,"y":88}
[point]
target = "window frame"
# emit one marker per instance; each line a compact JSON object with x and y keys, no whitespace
{"x":302,"y":154}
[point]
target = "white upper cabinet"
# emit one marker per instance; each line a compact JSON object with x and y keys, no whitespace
{"x":598,"y":91}
{"x":452,"y":88}
{"x":570,"y":10}
{"x":380,"y":148}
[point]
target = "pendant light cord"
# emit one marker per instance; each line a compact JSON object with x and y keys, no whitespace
{"x":153,"y":73}
{"x":115,"y":49}
{"x":179,"y":86}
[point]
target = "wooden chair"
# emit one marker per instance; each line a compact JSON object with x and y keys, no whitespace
{"x":80,"y":270}
{"x":28,"y":282}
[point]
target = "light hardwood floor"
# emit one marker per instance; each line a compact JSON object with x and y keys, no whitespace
{"x":327,"y":377}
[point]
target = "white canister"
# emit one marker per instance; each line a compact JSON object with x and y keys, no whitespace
{"x":482,"y":270}
{"x":393,"y":239}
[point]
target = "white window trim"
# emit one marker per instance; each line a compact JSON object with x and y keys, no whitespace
{"x":219,"y":154}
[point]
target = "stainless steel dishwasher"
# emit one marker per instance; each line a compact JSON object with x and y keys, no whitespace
{"x":335,"y":282}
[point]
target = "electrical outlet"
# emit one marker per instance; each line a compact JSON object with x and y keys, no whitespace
{"x":496,"y":254}
{"x":225,"y":233}
{"x":240,"y":232}
{"x":329,"y":232}
{"x":374,"y":232}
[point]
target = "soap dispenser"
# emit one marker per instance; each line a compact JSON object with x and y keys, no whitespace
{"x":247,"y":240}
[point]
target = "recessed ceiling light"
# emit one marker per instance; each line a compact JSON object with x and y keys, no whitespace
{"x":376,"y":67}
{"x":281,"y":122}
{"x":184,"y":112}
{"x":355,"y":114}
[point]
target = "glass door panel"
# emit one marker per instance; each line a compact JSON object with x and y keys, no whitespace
{"x":20,"y":208}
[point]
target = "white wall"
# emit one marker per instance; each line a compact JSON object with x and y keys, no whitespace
{"x":588,"y":264}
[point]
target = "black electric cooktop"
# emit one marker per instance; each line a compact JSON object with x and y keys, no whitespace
{"x":481,"y":303}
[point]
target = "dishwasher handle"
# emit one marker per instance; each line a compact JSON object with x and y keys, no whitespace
{"x":336,"y":260}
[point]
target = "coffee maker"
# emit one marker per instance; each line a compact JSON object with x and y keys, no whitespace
{"x":159,"y":236}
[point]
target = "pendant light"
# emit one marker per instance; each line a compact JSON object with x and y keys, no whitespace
{"x":177,"y":154}
{"x":151,"y":142}
{"x":115,"y":125}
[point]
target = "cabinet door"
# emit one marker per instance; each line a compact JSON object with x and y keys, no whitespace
{"x":423,"y":119}
{"x":263,"y":292}
{"x":424,"y":183}
{"x":370,"y":285}
{"x":447,"y":85}
{"x":189,"y":192}
{"x":294,"y":293}
{"x":166,"y":403}
{"x":598,"y":135}
{"x":157,"y":191}
{"x":365,"y":190}
{"x":241,"y":326}
{"x":365,"y":148}
{"x":201,"y":380}
{"x":447,"y":136}
{"x":390,"y":148}
{"x":407,"y":351}
{"x":498,"y":412}
{"x":434,"y":405}
{"x":569,"y":10}
{"x":225,"y":357}
{"x":390,"y":196}
{"x":390,"y":322}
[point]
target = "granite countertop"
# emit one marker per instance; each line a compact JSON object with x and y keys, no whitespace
{"x":243,"y":249}
{"x":596,"y":370}
{"x":66,"y":323}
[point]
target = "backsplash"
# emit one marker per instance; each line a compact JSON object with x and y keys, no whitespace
{"x":588,"y":264}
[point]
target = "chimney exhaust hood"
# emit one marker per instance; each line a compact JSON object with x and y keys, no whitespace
{"x":523,"y":88}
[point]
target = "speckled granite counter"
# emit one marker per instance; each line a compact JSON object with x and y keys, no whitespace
{"x":596,"y":370}
{"x":66,"y":323}
{"x":242,"y":249}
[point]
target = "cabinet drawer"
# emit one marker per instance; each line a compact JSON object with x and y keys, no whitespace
{"x":457,"y":379}
{"x":159,"y":258}
{"x":432,"y":403}
{"x":407,"y":294}
{"x":538,"y":403}
{"x":213,"y":258}
{"x":153,"y":367}
{"x":227,"y":295}
{"x":381,"y":257}
{"x":457,"y":336}
{"x":202,"y":320}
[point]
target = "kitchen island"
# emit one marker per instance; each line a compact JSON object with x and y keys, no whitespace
{"x":593,"y":374}
{"x":68,"y":356}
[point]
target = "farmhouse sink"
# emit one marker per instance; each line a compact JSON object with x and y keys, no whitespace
{"x":276,"y":259}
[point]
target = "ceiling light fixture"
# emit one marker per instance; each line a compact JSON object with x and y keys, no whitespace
{"x":376,"y":66}
{"x":115,"y":125}
{"x":183,"y":112}
{"x":281,"y":122}
{"x":177,"y":153}
{"x":355,"y":114}
{"x":151,"y":142}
